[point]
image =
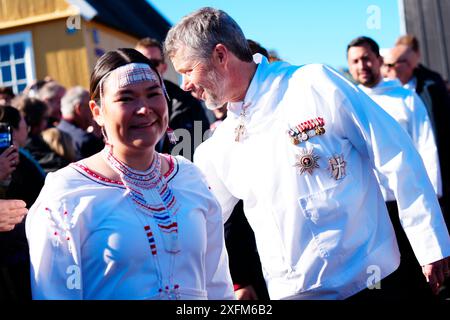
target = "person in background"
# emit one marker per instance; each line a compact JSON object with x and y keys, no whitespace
{"x":128,"y":222}
{"x":404,"y":105}
{"x":403,"y":63}
{"x":298,"y":148}
{"x":9,"y":159}
{"x":36,"y":116}
{"x":6,"y":96}
{"x":25,"y":184}
{"x":184,"y":110}
{"x":12,"y":212}
{"x":14,"y":276}
{"x":76,"y":119}
{"x":51,"y":92}
{"x":27,"y":179}
{"x":408,"y":110}
{"x":32,"y":89}
{"x":60,"y":143}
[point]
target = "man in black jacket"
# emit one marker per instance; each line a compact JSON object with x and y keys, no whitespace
{"x":403,"y":63}
{"x":185,"y":112}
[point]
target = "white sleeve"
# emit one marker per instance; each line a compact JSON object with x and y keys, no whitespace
{"x":423,"y":138}
{"x":54,"y":244}
{"x":218,"y":278}
{"x":219,"y":285}
{"x":203,"y":159}
{"x":371,"y":129}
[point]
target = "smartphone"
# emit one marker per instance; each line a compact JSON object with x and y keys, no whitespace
{"x":5,"y":137}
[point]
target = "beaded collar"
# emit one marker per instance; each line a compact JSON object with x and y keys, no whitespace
{"x":151,"y":194}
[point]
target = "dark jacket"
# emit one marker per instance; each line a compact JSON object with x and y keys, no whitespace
{"x":184,"y":110}
{"x":47,"y":158}
{"x":27,"y":180}
{"x":26,"y":184}
{"x":85,"y":144}
{"x":433,"y":91}
{"x":244,"y":262}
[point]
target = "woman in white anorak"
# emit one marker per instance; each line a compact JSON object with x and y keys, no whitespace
{"x":128,"y":222}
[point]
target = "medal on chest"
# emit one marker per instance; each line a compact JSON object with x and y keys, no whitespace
{"x":336,"y":166}
{"x":306,"y":161}
{"x":306,"y":130}
{"x":240,"y":131}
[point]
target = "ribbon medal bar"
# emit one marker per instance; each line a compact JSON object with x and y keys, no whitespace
{"x":306,"y":130}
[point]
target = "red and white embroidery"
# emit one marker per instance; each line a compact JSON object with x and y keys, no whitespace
{"x":61,"y":222}
{"x":80,"y":167}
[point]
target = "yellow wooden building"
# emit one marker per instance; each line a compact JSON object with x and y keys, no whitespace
{"x":63,"y":39}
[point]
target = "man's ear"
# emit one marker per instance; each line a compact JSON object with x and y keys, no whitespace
{"x":221,"y":54}
{"x":97,"y":113}
{"x":380,"y":60}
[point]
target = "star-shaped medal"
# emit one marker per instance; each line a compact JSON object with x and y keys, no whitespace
{"x":306,"y":161}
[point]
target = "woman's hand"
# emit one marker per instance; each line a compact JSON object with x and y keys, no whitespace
{"x":9,"y":160}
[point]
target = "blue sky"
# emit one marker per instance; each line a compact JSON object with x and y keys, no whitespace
{"x":302,"y":31}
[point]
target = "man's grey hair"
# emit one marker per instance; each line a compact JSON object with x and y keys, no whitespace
{"x":72,"y":97}
{"x":49,"y":90}
{"x":202,"y":30}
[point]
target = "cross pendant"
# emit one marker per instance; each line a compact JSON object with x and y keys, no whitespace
{"x":239,"y":131}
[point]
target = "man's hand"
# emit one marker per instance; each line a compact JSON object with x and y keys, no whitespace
{"x":246,"y":293}
{"x":11,"y":213}
{"x":435,"y":273}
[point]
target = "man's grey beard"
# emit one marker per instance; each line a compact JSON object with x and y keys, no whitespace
{"x":214,"y":105}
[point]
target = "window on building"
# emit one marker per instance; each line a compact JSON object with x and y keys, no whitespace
{"x":16,"y":61}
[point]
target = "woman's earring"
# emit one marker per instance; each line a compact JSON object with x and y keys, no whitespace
{"x":172,"y":137}
{"x":105,"y":137}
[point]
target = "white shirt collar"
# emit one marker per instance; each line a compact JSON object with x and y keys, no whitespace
{"x":411,"y":84}
{"x":382,"y":86}
{"x":236,"y":107}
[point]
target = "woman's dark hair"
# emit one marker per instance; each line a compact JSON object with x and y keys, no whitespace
{"x":11,"y":116}
{"x":33,"y":110}
{"x":112,"y":60}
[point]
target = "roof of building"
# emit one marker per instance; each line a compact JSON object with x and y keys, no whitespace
{"x":135,"y":17}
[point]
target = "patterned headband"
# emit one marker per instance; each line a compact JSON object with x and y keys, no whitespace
{"x":129,"y":74}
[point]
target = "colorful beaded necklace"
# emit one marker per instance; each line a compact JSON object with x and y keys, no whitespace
{"x":152,"y":196}
{"x":149,"y":191}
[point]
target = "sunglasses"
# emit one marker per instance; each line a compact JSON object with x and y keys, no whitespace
{"x":392,"y":65}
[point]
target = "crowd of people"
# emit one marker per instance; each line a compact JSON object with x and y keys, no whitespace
{"x":307,"y":185}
